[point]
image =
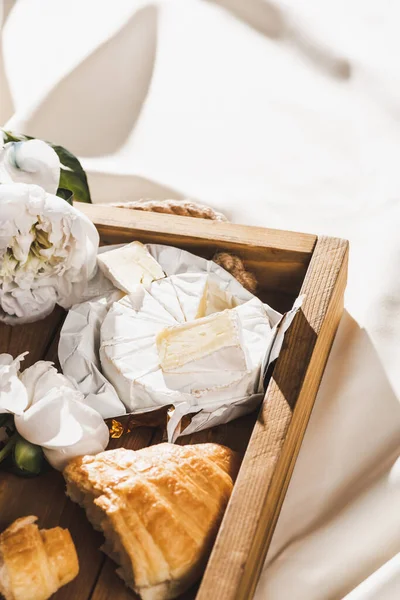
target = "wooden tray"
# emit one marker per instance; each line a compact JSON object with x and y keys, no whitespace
{"x":285,"y":264}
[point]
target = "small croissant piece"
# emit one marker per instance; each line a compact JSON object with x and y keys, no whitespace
{"x":35,"y":563}
{"x":159,"y":509}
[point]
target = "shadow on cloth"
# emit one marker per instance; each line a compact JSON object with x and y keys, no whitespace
{"x":6,"y":101}
{"x":115,"y":187}
{"x":101,"y":85}
{"x":270,"y":20}
{"x":351,"y":447}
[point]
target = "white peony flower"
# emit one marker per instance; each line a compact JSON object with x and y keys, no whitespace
{"x":48,"y":250}
{"x":13,"y":395}
{"x":50,"y":412}
{"x":31,"y":161}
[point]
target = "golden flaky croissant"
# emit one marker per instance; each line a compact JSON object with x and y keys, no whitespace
{"x":159,"y":509}
{"x":35,"y":563}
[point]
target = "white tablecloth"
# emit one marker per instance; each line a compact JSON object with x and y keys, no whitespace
{"x":284,"y":114}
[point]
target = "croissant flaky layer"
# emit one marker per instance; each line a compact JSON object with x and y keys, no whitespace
{"x":35,"y":563}
{"x":159,"y":509}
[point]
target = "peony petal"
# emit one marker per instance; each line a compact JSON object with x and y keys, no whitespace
{"x":49,"y":411}
{"x":47,"y":248}
{"x":13,"y":395}
{"x":15,"y":399}
{"x":25,"y":305}
{"x":31,"y":161}
{"x":61,"y":422}
{"x":48,"y":420}
{"x":89,"y":445}
{"x":31,"y":375}
{"x":41,"y":378}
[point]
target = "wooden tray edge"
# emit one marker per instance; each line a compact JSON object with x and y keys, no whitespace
{"x":246,"y":531}
{"x":109,"y":219}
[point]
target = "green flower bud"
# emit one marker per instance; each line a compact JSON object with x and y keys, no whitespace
{"x":27,"y":459}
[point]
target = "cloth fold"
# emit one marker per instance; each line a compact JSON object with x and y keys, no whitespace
{"x":280,"y":114}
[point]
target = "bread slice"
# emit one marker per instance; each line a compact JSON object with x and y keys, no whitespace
{"x":159,"y":509}
{"x":35,"y":563}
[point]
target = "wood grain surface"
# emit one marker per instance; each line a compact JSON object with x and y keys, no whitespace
{"x":284,"y":262}
{"x":279,"y":259}
{"x":239,"y":552}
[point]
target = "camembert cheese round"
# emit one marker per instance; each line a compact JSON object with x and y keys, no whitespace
{"x":183,"y":338}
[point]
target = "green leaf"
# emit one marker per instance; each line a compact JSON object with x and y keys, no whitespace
{"x":13,"y":137}
{"x":72,"y":175}
{"x":8,"y":447}
{"x":65,"y":195}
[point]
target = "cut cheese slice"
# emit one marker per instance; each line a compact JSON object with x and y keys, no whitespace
{"x":201,"y":295}
{"x":129,"y":266}
{"x":211,"y":343}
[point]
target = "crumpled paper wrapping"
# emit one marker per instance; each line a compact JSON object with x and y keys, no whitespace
{"x":223,"y":413}
{"x":78,"y":352}
{"x":80,"y":340}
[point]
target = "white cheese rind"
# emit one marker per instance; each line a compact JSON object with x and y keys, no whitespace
{"x":129,"y":266}
{"x":224,"y":368}
{"x":164,"y":292}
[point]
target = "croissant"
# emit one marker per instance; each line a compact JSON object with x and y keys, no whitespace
{"x":159,"y":509}
{"x":35,"y":563}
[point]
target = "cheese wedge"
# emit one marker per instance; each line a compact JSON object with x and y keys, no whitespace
{"x":192,"y":291}
{"x":200,"y":295}
{"x":196,"y":345}
{"x":129,"y":266}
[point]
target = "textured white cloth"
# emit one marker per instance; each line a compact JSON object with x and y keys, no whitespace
{"x":284,"y":114}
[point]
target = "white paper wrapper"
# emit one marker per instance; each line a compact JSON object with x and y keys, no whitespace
{"x":78,"y":352}
{"x":79,"y":346}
